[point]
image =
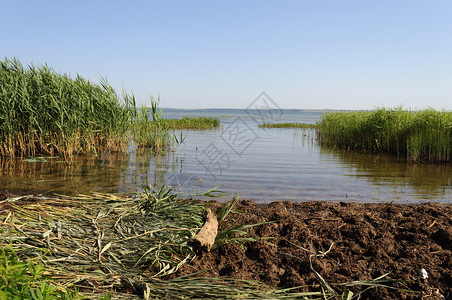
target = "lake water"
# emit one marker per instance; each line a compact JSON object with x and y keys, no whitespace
{"x":259,"y":164}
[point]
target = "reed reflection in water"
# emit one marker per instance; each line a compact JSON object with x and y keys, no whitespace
{"x":428,"y":181}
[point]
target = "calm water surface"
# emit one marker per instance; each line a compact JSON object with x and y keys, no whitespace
{"x":259,"y":164}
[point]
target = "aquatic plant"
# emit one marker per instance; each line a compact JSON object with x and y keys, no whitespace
{"x":198,"y":123}
{"x":420,"y":136}
{"x":287,"y":125}
{"x":150,"y":129}
{"x":43,"y":112}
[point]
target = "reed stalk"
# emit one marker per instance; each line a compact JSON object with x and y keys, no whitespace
{"x":150,"y":129}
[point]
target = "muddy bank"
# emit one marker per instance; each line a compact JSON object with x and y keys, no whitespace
{"x":339,"y":242}
{"x":306,"y":246}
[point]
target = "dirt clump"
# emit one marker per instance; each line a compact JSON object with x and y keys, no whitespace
{"x":304,"y":243}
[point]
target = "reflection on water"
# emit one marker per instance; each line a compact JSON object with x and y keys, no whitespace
{"x":428,"y":181}
{"x":263,"y":165}
{"x":53,"y":175}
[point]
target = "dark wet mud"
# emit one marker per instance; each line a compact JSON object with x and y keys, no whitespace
{"x":339,"y":243}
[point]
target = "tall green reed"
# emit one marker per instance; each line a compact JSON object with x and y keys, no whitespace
{"x":44,"y":112}
{"x":420,"y":136}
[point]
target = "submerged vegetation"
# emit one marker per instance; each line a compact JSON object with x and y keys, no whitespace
{"x":287,"y":125}
{"x":420,"y":136}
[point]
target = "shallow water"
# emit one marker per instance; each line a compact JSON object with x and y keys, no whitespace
{"x":259,"y":164}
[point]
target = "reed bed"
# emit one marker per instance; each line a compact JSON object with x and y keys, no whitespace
{"x":44,"y":112}
{"x":420,"y":136}
{"x":198,"y":123}
{"x":288,"y":125}
{"x":120,"y":247}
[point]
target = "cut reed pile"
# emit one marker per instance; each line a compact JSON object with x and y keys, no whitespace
{"x":420,"y":136}
{"x":103,"y":239}
{"x":287,"y":125}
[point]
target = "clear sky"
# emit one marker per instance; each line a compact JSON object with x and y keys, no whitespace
{"x":223,"y":54}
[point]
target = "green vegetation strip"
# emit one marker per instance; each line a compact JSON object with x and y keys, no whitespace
{"x":420,"y":136}
{"x":197,"y":123}
{"x":120,"y":247}
{"x":287,"y":125}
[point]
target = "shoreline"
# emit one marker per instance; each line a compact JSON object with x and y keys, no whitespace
{"x":305,"y":246}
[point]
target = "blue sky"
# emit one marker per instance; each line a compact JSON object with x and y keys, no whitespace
{"x":223,"y":54}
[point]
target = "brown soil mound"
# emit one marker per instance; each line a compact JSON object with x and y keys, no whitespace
{"x":359,"y":242}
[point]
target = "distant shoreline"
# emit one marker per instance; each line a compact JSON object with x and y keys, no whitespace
{"x":246,"y":109}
